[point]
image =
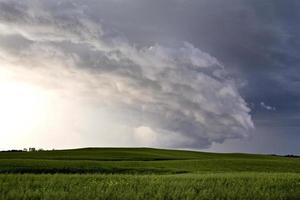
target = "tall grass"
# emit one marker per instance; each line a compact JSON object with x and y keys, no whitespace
{"x":265,"y":186}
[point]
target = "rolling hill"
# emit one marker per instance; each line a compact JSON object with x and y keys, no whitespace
{"x":141,"y":160}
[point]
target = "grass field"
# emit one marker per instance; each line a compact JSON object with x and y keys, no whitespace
{"x":115,"y":173}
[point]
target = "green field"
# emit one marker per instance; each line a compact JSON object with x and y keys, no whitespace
{"x":144,"y":173}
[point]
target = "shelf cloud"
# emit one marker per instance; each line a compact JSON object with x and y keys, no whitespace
{"x":113,"y":92}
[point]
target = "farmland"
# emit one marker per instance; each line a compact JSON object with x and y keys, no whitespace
{"x":143,"y":173}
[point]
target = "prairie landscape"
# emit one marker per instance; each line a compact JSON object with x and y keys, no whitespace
{"x":145,"y":173}
{"x":149,"y":100}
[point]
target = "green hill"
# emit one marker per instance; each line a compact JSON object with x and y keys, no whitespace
{"x":122,"y":154}
{"x":141,"y":160}
{"x":144,"y":174}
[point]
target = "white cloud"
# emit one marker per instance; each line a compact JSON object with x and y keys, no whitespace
{"x":146,"y":136}
{"x":158,"y":96}
{"x":267,"y":107}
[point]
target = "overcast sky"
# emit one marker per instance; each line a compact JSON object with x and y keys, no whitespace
{"x":211,"y":75}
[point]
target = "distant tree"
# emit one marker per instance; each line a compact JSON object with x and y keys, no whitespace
{"x":25,"y":150}
{"x":32,"y":149}
{"x":13,"y":150}
{"x":291,"y":156}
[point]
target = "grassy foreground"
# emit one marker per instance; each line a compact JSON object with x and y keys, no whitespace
{"x":146,"y":174}
{"x":209,"y":186}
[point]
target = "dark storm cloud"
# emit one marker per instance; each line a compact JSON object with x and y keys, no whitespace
{"x":176,"y":95}
{"x":257,"y":42}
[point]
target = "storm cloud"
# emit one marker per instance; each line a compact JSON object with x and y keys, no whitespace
{"x":158,"y":94}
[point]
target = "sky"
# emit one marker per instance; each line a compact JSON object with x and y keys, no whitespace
{"x":209,"y":75}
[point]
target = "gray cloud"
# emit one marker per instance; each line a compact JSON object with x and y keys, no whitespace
{"x":158,"y":95}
